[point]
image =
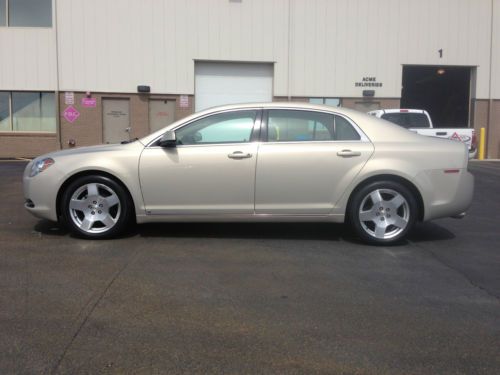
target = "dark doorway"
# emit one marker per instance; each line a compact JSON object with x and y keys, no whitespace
{"x":442,"y":91}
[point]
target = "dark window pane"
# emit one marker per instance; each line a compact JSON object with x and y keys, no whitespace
{"x":344,"y":131}
{"x":30,"y":13}
{"x":407,"y":119}
{"x":418,"y":120}
{"x":3,"y":13}
{"x":4,"y":112}
{"x":33,"y":112}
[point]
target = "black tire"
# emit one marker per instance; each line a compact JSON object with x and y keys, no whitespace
{"x":385,"y":212}
{"x":76,"y":220}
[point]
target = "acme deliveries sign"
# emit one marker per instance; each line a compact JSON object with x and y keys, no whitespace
{"x":368,"y":82}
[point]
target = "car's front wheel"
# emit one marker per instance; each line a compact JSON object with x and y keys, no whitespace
{"x":382,"y":212}
{"x":95,"y":207}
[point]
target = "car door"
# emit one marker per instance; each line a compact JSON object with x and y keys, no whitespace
{"x":211,"y":169}
{"x":307,"y":160}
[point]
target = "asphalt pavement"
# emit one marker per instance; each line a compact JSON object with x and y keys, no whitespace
{"x":250,"y":298}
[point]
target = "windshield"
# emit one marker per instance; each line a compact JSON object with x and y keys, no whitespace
{"x":407,"y":119}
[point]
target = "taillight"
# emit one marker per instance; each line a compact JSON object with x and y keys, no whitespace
{"x":404,"y":111}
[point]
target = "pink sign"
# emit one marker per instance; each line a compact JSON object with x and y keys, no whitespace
{"x":71,"y":114}
{"x":89,"y":102}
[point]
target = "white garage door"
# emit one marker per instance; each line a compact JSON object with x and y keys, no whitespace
{"x":229,"y":83}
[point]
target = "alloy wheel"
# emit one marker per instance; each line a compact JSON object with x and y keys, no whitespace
{"x":94,"y":208}
{"x":384,"y":213}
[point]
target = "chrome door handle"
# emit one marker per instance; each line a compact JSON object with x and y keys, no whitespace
{"x":348,"y":153}
{"x":239,"y":155}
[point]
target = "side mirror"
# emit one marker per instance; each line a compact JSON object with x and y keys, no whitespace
{"x":168,"y":139}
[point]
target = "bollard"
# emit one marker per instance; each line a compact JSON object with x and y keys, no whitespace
{"x":482,"y":142}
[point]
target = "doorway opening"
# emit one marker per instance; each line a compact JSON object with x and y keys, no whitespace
{"x":443,"y":91}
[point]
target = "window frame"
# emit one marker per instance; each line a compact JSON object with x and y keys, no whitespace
{"x":255,"y":134}
{"x":11,"y":115}
{"x":8,"y":23}
{"x":265,"y":121}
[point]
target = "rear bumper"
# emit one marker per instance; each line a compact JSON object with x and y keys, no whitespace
{"x":446,"y":194}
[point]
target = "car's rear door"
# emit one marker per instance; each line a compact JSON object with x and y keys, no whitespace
{"x":211,"y":170}
{"x":306,"y":161}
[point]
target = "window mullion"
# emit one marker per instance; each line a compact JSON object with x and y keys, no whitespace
{"x":11,"y":115}
{"x":7,"y":23}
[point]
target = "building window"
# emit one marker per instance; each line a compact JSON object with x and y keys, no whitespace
{"x":27,"y":112}
{"x":26,"y":13}
{"x":3,"y":13}
{"x":332,"y":102}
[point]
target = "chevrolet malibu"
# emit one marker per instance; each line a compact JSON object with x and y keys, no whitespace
{"x":257,"y":162}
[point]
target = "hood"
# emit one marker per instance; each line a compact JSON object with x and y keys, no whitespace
{"x":93,"y":149}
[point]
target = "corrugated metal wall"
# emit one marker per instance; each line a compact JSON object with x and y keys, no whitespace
{"x":115,"y":45}
{"x":27,"y":59}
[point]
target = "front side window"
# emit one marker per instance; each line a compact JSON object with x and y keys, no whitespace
{"x":228,"y":127}
{"x":26,"y":13}
{"x":23,"y":111}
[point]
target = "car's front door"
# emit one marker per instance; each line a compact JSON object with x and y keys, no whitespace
{"x":211,"y":169}
{"x":306,"y":162}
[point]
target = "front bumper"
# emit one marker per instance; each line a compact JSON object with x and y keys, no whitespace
{"x":40,"y":192}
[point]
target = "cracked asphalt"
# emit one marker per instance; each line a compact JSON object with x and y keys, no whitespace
{"x":250,"y":298}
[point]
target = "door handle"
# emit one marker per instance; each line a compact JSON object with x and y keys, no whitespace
{"x":441,"y":133}
{"x":348,"y":153}
{"x":239,"y":155}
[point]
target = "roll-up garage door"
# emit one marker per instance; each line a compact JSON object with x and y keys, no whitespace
{"x":229,"y":83}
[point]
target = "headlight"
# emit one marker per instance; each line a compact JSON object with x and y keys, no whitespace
{"x":40,"y":165}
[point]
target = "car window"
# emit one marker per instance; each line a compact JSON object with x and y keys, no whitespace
{"x":407,"y":119}
{"x":293,"y":126}
{"x":228,"y":127}
{"x":344,"y":131}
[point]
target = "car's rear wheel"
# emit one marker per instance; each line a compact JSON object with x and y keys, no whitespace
{"x":382,"y":212}
{"x":95,"y":207}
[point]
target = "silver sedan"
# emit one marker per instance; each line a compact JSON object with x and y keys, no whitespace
{"x":257,"y":162}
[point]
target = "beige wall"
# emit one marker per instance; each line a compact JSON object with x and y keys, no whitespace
{"x":21,"y":145}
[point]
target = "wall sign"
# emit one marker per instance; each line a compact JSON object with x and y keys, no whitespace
{"x":69,"y":98}
{"x":71,"y":114}
{"x":89,"y":102}
{"x":368,"y":82}
{"x":184,"y":101}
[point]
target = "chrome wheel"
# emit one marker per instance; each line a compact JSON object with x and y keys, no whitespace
{"x":94,"y":208}
{"x":384,"y":213}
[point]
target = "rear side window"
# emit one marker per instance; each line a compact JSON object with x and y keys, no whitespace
{"x":344,"y":131}
{"x":407,"y":119}
{"x":303,"y":126}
